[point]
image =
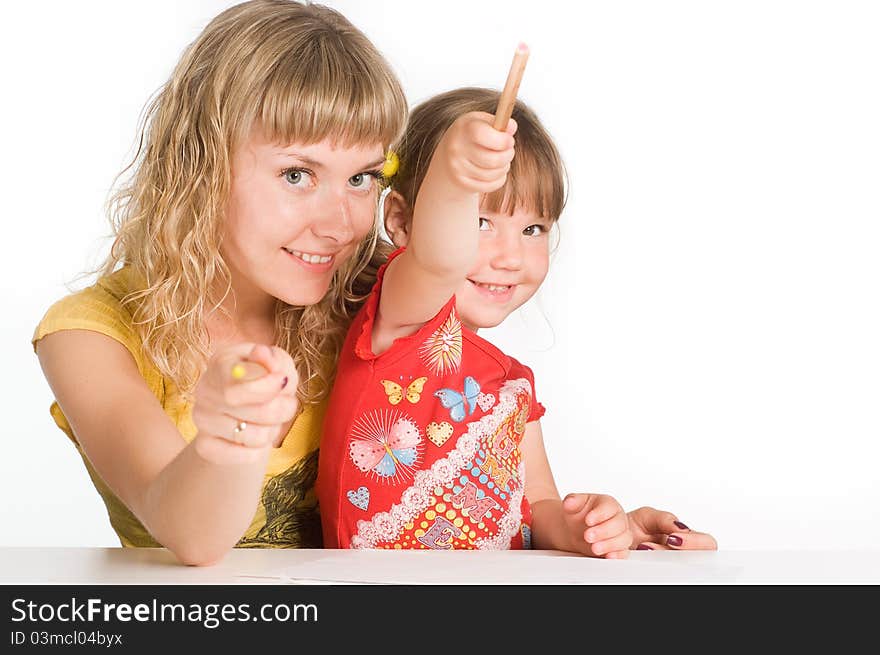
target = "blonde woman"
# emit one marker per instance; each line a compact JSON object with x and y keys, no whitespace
{"x":245,"y":240}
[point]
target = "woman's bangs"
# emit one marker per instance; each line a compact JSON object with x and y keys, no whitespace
{"x":345,"y":101}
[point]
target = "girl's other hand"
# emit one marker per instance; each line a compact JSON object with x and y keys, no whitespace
{"x":238,"y":418}
{"x":598,"y":525}
{"x":654,"y":529}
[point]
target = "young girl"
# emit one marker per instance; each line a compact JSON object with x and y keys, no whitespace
{"x":245,"y":235}
{"x":433,"y":437}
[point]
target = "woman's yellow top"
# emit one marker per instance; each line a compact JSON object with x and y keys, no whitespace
{"x":287,"y":516}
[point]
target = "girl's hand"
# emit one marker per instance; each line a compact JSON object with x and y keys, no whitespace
{"x":653,"y":529}
{"x":598,"y":525}
{"x":238,"y":419}
{"x":475,"y":155}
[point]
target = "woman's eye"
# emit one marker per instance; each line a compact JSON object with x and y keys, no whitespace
{"x":361,"y":181}
{"x":296,"y":177}
{"x":534,"y":230}
{"x":484,"y":224}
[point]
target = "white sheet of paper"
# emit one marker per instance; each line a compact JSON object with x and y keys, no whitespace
{"x":495,"y":567}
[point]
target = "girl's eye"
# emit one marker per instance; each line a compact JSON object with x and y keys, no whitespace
{"x":484,"y":223}
{"x":534,"y":230}
{"x":297,"y":177}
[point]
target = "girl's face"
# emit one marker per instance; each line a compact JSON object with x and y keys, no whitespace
{"x":514,"y":255}
{"x":295,"y":214}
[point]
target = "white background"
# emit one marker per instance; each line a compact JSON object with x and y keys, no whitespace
{"x":708,"y":340}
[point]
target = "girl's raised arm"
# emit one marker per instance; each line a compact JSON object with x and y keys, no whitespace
{"x":442,"y":232}
{"x":441,"y":239}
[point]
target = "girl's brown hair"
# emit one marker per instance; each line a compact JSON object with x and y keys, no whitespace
{"x":301,"y":73}
{"x":537,"y":177}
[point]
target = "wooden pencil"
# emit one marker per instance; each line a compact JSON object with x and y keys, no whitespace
{"x":511,"y":87}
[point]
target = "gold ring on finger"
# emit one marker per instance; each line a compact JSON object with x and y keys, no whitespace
{"x":240,"y":427}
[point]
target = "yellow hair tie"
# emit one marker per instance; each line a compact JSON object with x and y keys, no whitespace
{"x":392,"y":163}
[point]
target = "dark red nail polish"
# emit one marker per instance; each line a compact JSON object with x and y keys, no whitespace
{"x":284,"y":382}
{"x":680,"y":525}
{"x":673,"y":540}
{"x":644,"y":547}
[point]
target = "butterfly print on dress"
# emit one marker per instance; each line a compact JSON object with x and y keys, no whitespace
{"x":396,"y":392}
{"x":460,"y":404}
{"x":387,"y":444}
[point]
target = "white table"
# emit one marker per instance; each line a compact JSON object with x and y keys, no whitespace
{"x":118,"y":566}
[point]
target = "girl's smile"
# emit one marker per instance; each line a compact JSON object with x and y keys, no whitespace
{"x":500,"y":293}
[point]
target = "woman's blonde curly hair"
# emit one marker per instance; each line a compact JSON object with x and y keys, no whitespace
{"x":302,"y":73}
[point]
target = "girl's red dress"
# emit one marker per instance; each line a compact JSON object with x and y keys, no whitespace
{"x":420,"y":447}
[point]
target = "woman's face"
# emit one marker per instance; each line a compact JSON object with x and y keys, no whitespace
{"x":295,"y":214}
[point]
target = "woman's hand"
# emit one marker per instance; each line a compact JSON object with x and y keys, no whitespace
{"x":654,"y":529}
{"x":243,"y":402}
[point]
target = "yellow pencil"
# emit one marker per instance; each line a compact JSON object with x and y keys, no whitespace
{"x":245,"y":371}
